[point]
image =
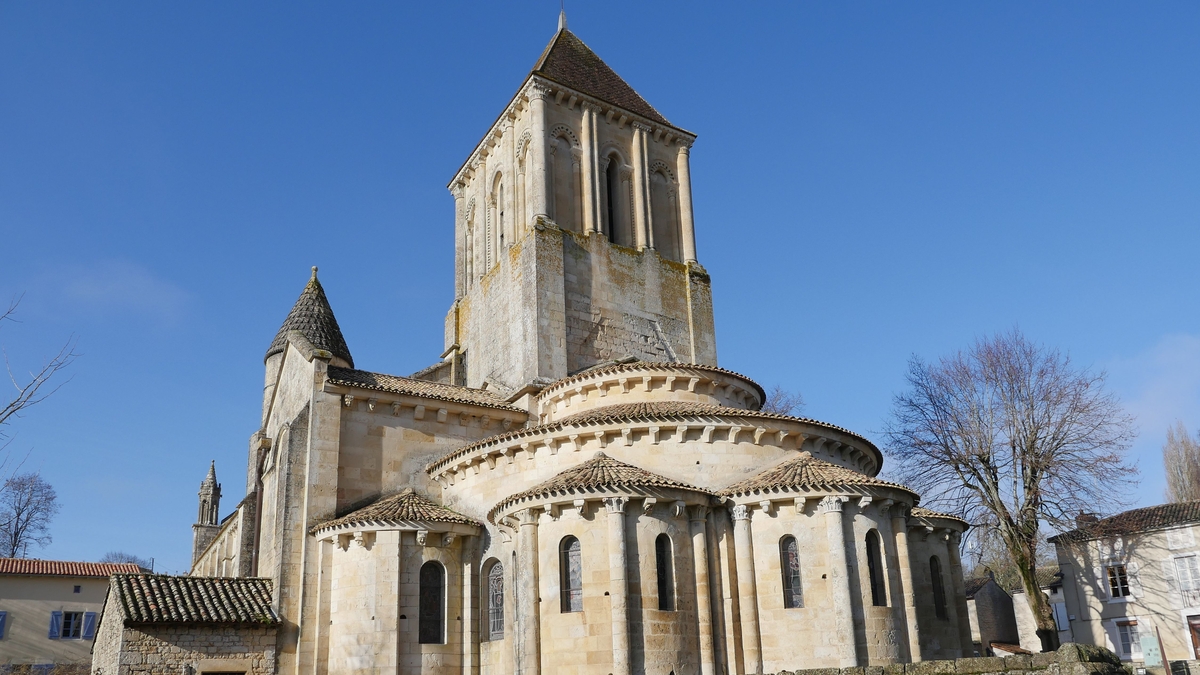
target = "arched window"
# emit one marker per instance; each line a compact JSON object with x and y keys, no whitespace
{"x":614,"y":213}
{"x":789,"y":565}
{"x":939,"y":588}
{"x":663,"y":216}
{"x":562,"y":168}
{"x":875,"y":570}
{"x":570,"y":573}
{"x":431,"y":628}
{"x":495,"y":602}
{"x":665,"y":565}
{"x":501,"y":225}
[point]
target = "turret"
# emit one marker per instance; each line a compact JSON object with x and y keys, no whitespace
{"x":208,"y":519}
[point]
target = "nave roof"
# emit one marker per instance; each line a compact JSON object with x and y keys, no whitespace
{"x":395,"y":384}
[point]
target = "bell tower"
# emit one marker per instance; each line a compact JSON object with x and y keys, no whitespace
{"x":208,"y":520}
{"x":574,"y":236}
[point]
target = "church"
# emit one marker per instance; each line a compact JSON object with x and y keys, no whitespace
{"x":574,"y":486}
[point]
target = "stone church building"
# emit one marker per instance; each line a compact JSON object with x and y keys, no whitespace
{"x":575,"y":486}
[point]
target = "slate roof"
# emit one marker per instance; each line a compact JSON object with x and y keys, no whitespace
{"x":403,"y":507}
{"x":159,"y":598}
{"x":362,"y":379}
{"x":62,"y":568}
{"x":806,"y":472}
{"x":972,"y":586}
{"x":568,"y":61}
{"x":312,"y":316}
{"x":1137,"y":520}
{"x":601,"y":471}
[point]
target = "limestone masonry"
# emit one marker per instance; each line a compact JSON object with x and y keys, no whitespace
{"x":575,"y":486}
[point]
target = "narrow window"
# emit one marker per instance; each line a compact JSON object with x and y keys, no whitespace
{"x":789,"y":565}
{"x":495,"y":602}
{"x":500,"y":211}
{"x":875,"y":570}
{"x":612,"y":176}
{"x":431,"y":616}
{"x":666,"y":573}
{"x":1118,"y":581}
{"x":939,"y":590}
{"x":570,"y":564}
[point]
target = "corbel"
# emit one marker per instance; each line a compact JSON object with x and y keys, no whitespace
{"x":419,"y":412}
{"x":648,"y":505}
{"x":706,"y":435}
{"x":758,"y":434}
{"x":767,"y":506}
{"x":574,"y":438}
{"x":554,"y":510}
{"x":571,"y":101}
{"x":484,"y":422}
{"x":448,"y":539}
{"x":602,"y":389}
{"x":799,"y":503}
{"x":348,"y":400}
{"x":422,"y":537}
{"x":627,"y":436}
{"x":508,"y":455}
{"x":653,"y":435}
{"x":395,"y":408}
{"x":681,"y":432}
{"x":528,"y":449}
{"x":624,"y":382}
{"x":505,"y":535}
{"x":600,"y":437}
{"x":864,"y":501}
{"x":552,"y":445}
{"x":580,"y":507}
{"x":657,"y":134}
{"x":692,"y":384}
{"x":558,"y":97}
{"x":371,"y":402}
{"x":646,"y":383}
{"x":623,"y":120}
{"x":678,"y":508}
{"x":669,"y":385}
{"x":475,"y":466}
{"x":733,"y":433}
{"x":343,"y":541}
{"x":464,"y":419}
{"x":712,"y":387}
{"x":491,"y":460}
{"x":609,"y":115}
{"x":506,"y":424}
{"x":442,"y":414}
{"x":581,"y":393}
{"x":885,"y":505}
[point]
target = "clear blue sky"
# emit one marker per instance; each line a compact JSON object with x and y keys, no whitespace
{"x":872,"y":180}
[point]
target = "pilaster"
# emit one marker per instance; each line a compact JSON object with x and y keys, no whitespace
{"x":536,"y":162}
{"x":747,"y":589}
{"x":957,"y":592}
{"x":698,"y":527}
{"x":528,"y":620}
{"x":641,"y":204}
{"x":619,"y":584}
{"x":907,"y":592}
{"x":839,"y":580}
{"x":686,"y":222}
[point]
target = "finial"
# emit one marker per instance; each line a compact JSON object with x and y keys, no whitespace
{"x":562,"y":17}
{"x":314,"y":276}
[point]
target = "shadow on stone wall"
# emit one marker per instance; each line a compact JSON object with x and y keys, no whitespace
{"x":1070,"y":659}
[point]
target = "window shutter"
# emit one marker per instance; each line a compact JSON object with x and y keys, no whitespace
{"x":89,"y":625}
{"x":1175,"y":580}
{"x":55,"y":625}
{"x":3,"y":621}
{"x":1135,"y":584}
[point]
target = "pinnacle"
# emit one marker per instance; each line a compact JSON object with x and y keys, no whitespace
{"x":313,"y":317}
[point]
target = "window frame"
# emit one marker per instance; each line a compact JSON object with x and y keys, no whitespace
{"x":1128,"y":638}
{"x":1116,"y":575}
{"x":570,"y":595}
{"x":790,"y":575}
{"x":664,"y":568}
{"x":876,"y":573}
{"x":71,"y":622}
{"x":424,"y":603}
{"x":940,"y":608}
{"x":494,"y":616}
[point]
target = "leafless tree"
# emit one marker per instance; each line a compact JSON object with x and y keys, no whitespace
{"x":1181,"y":459}
{"x":27,"y":505}
{"x":989,"y":554}
{"x":123,"y":557}
{"x":1010,"y":434}
{"x":783,"y":402}
{"x":33,"y":389}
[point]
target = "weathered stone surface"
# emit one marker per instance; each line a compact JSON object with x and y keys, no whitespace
{"x":984,"y":664}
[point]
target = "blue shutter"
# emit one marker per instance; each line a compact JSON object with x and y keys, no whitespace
{"x":55,"y":625}
{"x":89,"y":625}
{"x":3,"y":620}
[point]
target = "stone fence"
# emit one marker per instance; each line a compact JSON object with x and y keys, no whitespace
{"x":1070,"y":659}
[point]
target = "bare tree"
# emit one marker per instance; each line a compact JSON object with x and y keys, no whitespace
{"x":989,"y":554}
{"x":1009,"y":434}
{"x":123,"y":557}
{"x":783,"y":402}
{"x":32,"y":390}
{"x":1181,"y":459}
{"x":27,"y":505}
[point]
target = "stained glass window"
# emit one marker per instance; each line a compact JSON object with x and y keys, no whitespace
{"x":431,"y":611}
{"x":495,"y":595}
{"x":666,"y":573}
{"x":789,"y":563}
{"x":570,"y":562}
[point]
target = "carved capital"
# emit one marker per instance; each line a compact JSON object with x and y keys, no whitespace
{"x":741,"y":512}
{"x":458,"y":189}
{"x":529,"y":516}
{"x":645,"y":128}
{"x":685,"y":145}
{"x":590,"y":107}
{"x":885,"y":505}
{"x":422,"y":537}
{"x":615,"y":504}
{"x":538,"y":91}
{"x":831,"y":504}
{"x":698,"y":513}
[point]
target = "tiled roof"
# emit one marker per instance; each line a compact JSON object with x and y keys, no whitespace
{"x":1137,"y":520}
{"x":569,"y":62}
{"x":972,"y":586}
{"x":159,"y":598}
{"x":403,"y":507}
{"x":61,"y":568}
{"x":922,"y":512}
{"x":312,"y":316}
{"x":806,"y":472}
{"x":402,"y":385}
{"x":1047,"y":576}
{"x":601,"y":471}
{"x":637,"y":365}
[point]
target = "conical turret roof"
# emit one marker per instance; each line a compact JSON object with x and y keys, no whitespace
{"x":569,"y":62}
{"x":313,"y":317}
{"x":211,"y":478}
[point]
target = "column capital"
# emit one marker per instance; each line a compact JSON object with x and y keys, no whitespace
{"x":685,"y":145}
{"x":644,"y":128}
{"x":537,"y":91}
{"x":741,"y":512}
{"x":831,"y":504}
{"x":589,"y":107}
{"x":529,"y":516}
{"x":954,"y":538}
{"x":458,"y":189}
{"x":615,"y":504}
{"x":698,"y":513}
{"x":885,"y":505}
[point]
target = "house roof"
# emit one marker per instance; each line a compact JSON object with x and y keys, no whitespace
{"x":313,"y":317}
{"x":972,"y":586}
{"x":403,"y":507}
{"x":62,"y":568}
{"x":438,"y":391}
{"x":601,"y":471}
{"x":569,"y":62}
{"x":1047,"y":577}
{"x":806,"y":472}
{"x":160,"y":598}
{"x":1134,"y":521}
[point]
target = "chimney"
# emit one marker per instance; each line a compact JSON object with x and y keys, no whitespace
{"x":1084,"y":519}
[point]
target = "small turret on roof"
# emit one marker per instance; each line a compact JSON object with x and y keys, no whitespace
{"x":313,"y":317}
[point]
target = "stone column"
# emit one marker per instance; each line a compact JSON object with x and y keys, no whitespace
{"x":587,"y":141}
{"x":510,"y":182}
{"x":528,"y":621}
{"x":460,"y":240}
{"x":957,"y":593}
{"x":619,"y":584}
{"x":907,"y":590}
{"x":747,"y":590}
{"x":687,"y":225}
{"x":698,"y":526}
{"x":839,"y":581}
{"x":641,"y":188}
{"x":536,"y":159}
{"x":470,"y":619}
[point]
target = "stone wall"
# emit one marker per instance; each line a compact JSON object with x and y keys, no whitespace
{"x":170,"y":650}
{"x":1070,"y":659}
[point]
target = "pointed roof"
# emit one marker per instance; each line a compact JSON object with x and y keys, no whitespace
{"x":313,"y":317}
{"x":211,"y":478}
{"x":569,"y":62}
{"x":806,"y":472}
{"x":601,"y":471}
{"x":403,"y":507}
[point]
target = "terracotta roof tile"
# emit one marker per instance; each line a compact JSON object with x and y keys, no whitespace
{"x":159,"y":598}
{"x":403,"y":507}
{"x":61,"y":568}
{"x":402,"y":385}
{"x":312,"y":316}
{"x":601,"y":471}
{"x":922,"y":512}
{"x":806,"y":472}
{"x":1136,"y":520}
{"x":636,"y":365}
{"x":568,"y":61}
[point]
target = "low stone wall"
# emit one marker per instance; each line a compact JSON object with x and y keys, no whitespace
{"x":45,"y":669}
{"x":1070,"y":659}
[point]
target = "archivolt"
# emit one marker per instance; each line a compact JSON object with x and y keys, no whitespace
{"x":564,"y":130}
{"x":659,"y":165}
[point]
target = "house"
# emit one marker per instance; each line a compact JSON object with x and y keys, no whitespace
{"x":48,"y":609}
{"x":990,"y":609}
{"x":1133,"y":577}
